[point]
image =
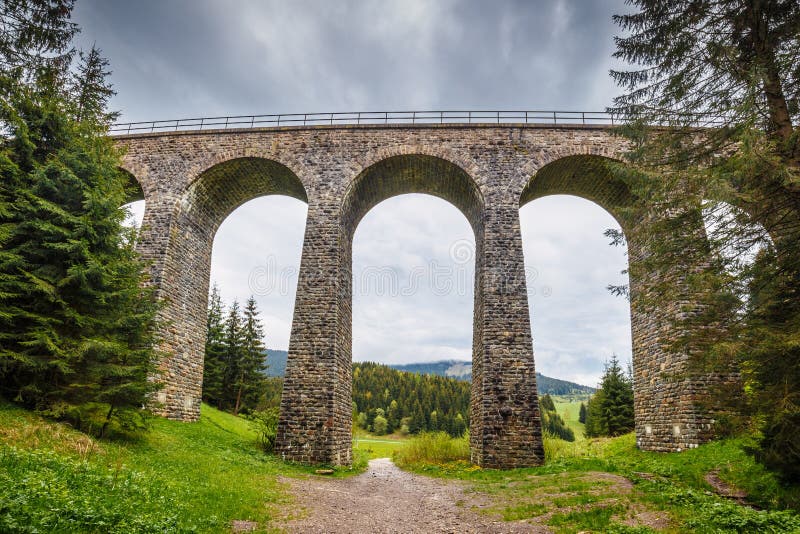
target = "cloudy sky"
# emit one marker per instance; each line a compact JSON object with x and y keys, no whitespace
{"x":192,"y":58}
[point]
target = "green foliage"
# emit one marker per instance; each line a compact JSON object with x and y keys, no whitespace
{"x":552,"y":423}
{"x":410,"y":403}
{"x":178,"y":477}
{"x":433,"y":448}
{"x":582,"y":414}
{"x":235,"y":364}
{"x":266,"y":423}
{"x":610,"y":410}
{"x":76,"y":319}
{"x":731,"y":64}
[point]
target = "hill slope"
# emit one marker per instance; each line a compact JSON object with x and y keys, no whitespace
{"x":177,"y":477}
{"x":457,"y":369}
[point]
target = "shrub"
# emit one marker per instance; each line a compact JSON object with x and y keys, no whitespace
{"x":434,"y":448}
{"x":266,"y":426}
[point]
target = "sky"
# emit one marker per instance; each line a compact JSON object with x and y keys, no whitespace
{"x":193,"y":58}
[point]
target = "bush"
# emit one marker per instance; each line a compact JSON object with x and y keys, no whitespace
{"x":266,"y":426}
{"x":434,"y":448}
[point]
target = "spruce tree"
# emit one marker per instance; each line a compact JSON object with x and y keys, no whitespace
{"x":610,"y":410}
{"x":233,"y":350}
{"x":76,"y":321}
{"x":251,"y":377}
{"x":214,"y":367}
{"x":730,"y":66}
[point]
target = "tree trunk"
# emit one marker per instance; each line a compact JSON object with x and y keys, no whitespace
{"x":107,"y":421}
{"x":780,"y":118}
{"x":239,"y":397}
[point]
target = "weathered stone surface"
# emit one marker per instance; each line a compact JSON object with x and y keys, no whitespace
{"x":193,"y":180}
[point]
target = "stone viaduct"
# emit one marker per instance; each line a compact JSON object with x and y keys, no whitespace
{"x":192,"y":180}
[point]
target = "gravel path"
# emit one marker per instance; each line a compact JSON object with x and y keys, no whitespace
{"x":386,"y":499}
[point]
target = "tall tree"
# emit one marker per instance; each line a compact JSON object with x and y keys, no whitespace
{"x":610,"y":410}
{"x":214,"y":366}
{"x":233,"y":344}
{"x":76,"y":321}
{"x":724,"y":77}
{"x":90,"y":89}
{"x":251,"y":379}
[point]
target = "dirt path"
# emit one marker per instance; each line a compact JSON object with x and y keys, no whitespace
{"x":386,"y":499}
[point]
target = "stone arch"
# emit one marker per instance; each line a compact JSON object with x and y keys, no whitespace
{"x":411,"y":173}
{"x":196,"y":215}
{"x":588,"y":176}
{"x":665,"y":397}
{"x":133,"y":188}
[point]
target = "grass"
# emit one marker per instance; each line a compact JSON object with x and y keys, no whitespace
{"x":569,"y":410}
{"x":178,"y":477}
{"x":377,"y":447}
{"x":608,"y":485}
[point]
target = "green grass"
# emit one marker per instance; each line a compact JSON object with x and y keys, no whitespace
{"x":377,"y":447}
{"x":569,"y":410}
{"x":178,"y":477}
{"x":605,"y":485}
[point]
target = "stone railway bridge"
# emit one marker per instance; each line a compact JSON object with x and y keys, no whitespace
{"x":192,"y":180}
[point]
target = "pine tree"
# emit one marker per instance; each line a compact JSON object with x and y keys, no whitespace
{"x":731,"y":65}
{"x":214,"y":367}
{"x":252,"y":365}
{"x":610,"y":410}
{"x":582,"y":414}
{"x":76,"y":322}
{"x":233,"y":351}
{"x":90,"y":89}
{"x":35,"y":35}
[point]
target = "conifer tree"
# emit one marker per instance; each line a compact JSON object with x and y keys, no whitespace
{"x":90,"y":89}
{"x":76,"y":322}
{"x":731,"y":66}
{"x":582,"y":414}
{"x":214,"y":367}
{"x":233,"y":350}
{"x":610,"y":410}
{"x":252,"y":366}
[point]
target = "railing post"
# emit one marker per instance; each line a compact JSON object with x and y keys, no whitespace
{"x":305,"y":118}
{"x":526,"y":117}
{"x":386,"y":117}
{"x":252,"y":120}
{"x":498,"y":117}
{"x":226,"y":122}
{"x":279,"y":121}
{"x":202,"y":120}
{"x":358,"y":118}
{"x":583,"y":115}
{"x":413,"y":117}
{"x":331,"y":118}
{"x":555,"y":121}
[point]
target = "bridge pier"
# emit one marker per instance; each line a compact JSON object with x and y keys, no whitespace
{"x":505,"y":423}
{"x":315,"y":422}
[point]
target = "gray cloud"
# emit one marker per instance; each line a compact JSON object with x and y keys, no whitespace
{"x":191,"y":58}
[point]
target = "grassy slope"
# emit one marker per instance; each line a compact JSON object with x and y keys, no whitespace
{"x":178,"y":478}
{"x":569,"y":411}
{"x":584,"y":485}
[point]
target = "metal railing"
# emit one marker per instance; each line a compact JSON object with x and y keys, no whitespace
{"x":369,"y":118}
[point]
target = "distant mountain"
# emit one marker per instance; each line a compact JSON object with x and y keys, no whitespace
{"x":460,"y":370}
{"x":276,"y":359}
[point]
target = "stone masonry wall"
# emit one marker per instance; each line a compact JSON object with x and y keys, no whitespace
{"x":193,"y":180}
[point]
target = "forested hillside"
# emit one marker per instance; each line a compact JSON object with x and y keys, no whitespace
{"x":457,"y":369}
{"x":386,"y":400}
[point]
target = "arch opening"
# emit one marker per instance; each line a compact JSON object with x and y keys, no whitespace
{"x":198,"y":214}
{"x":577,"y":324}
{"x":427,"y":306}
